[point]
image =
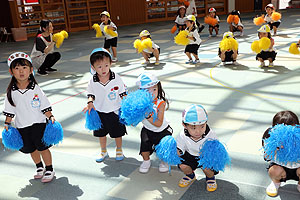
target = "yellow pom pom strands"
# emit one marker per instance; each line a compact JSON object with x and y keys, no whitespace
{"x":138,"y":45}
{"x":255,"y":46}
{"x":264,"y":43}
{"x":58,"y":38}
{"x":96,"y":27}
{"x":276,"y":16}
{"x":294,"y":49}
{"x":258,"y":21}
{"x":110,"y":32}
{"x":228,"y":44}
{"x":181,"y":38}
{"x":146,"y":43}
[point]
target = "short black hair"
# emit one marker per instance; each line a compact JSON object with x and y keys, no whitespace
{"x":99,"y":55}
{"x":285,"y":117}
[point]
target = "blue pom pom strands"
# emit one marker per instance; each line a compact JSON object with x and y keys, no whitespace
{"x":12,"y":139}
{"x":283,"y":145}
{"x":53,"y":133}
{"x":92,"y":120}
{"x":214,"y":156}
{"x":166,"y":151}
{"x":136,"y":106}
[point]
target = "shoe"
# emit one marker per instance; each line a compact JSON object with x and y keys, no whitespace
{"x":242,"y":34}
{"x":163,"y":167}
{"x":114,"y":59}
{"x":39,"y":173}
{"x":156,"y":63}
{"x":48,"y":176}
{"x":235,"y":63}
{"x":186,"y":181}
{"x":210,"y":36}
{"x":196,"y":62}
{"x":102,"y":157}
{"x":262,"y":65}
{"x":146,"y":62}
{"x":222,"y":64}
{"x":119,"y":155}
{"x":51,"y":70}
{"x":271,"y":190}
{"x":271,"y":65}
{"x":145,"y":166}
{"x":189,"y":62}
{"x":42,"y":73}
{"x":211,"y":185}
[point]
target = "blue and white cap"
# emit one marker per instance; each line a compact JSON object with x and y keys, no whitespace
{"x":98,"y":50}
{"x":146,"y":80}
{"x":194,"y":115}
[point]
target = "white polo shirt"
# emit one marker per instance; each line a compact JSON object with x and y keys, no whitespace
{"x":186,"y":143}
{"x":110,"y":23}
{"x":154,"y":46}
{"x":268,"y":19}
{"x":107,"y":97}
{"x":30,"y":105}
{"x":179,"y":20}
{"x":194,"y":33}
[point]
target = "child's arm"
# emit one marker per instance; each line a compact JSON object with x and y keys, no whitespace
{"x":272,"y":44}
{"x":160,"y":115}
{"x":50,"y":116}
{"x":90,"y":105}
{"x":298,"y":44}
{"x":7,"y":122}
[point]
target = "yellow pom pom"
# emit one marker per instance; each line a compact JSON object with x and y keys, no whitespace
{"x":58,"y":38}
{"x":138,"y":45}
{"x":276,"y":16}
{"x":110,"y":32}
{"x":181,"y":38}
{"x":65,"y":34}
{"x":294,"y":49}
{"x":228,"y":44}
{"x":264,"y":43}
{"x":258,"y":21}
{"x":234,"y":43}
{"x":147,"y":43}
{"x":255,"y":46}
{"x":97,"y":28}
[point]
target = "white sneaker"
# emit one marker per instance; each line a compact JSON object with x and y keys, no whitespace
{"x":146,"y":62}
{"x":48,"y":176}
{"x":39,"y":173}
{"x":163,"y":167}
{"x":222,"y":64}
{"x":242,"y":34}
{"x":114,"y":59}
{"x":210,"y":36}
{"x":145,"y":166}
{"x":102,"y":157}
{"x":235,"y":63}
{"x":272,"y":190}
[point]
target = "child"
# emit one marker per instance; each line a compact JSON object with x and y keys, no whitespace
{"x":213,"y":14}
{"x":229,"y":55}
{"x":194,"y":40}
{"x":268,"y":18}
{"x":105,"y":90}
{"x":189,"y":141}
{"x":279,"y":172}
{"x":269,"y":54}
{"x":26,"y":101}
{"x":150,"y":52}
{"x":155,"y":127}
{"x":239,"y":26}
{"x":109,"y":40}
{"x":180,"y":19}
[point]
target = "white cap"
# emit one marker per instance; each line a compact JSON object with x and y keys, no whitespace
{"x":146,"y":80}
{"x":144,"y":33}
{"x":17,"y":55}
{"x":228,"y":35}
{"x":269,"y":5}
{"x":194,"y":115}
{"x":264,"y":29}
{"x":212,"y":10}
{"x":190,"y":18}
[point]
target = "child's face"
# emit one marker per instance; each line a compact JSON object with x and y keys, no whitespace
{"x":102,"y":67}
{"x":269,"y":10}
{"x":212,"y":14}
{"x":154,"y":91}
{"x":104,"y":18}
{"x":49,"y":29}
{"x":21,"y":73}
{"x":188,"y":23}
{"x":196,"y":131}
{"x":182,"y":11}
{"x":261,"y":35}
{"x":144,"y":37}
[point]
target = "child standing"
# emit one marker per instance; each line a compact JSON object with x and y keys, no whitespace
{"x":105,"y":90}
{"x":268,"y":18}
{"x":194,"y":40}
{"x":155,"y":127}
{"x":233,"y":27}
{"x":269,"y":54}
{"x":150,"y":52}
{"x":279,"y":172}
{"x":109,"y":41}
{"x":213,"y":14}
{"x":26,"y":101}
{"x":189,"y":141}
{"x":180,"y":19}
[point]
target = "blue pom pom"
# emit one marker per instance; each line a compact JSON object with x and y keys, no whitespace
{"x":214,"y":156}
{"x":166,"y":150}
{"x":283,"y":145}
{"x":12,"y":139}
{"x":136,"y":106}
{"x":53,"y":134}
{"x":92,"y":120}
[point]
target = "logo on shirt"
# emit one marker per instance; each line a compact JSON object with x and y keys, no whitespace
{"x":35,"y":102}
{"x":113,"y":93}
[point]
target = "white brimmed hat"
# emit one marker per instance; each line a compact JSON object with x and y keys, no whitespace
{"x":17,"y":55}
{"x":212,"y":10}
{"x":190,"y":18}
{"x":194,"y":115}
{"x":144,"y":33}
{"x":264,"y":29}
{"x":228,"y":35}
{"x":105,"y":13}
{"x":146,"y":80}
{"x":270,"y":6}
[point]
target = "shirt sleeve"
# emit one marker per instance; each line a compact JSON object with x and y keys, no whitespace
{"x":45,"y":104}
{"x":113,"y":25}
{"x":180,"y":143}
{"x":90,"y":91}
{"x":197,"y":37}
{"x":177,"y":20}
{"x":9,"y":110}
{"x":218,"y":19}
{"x":40,"y":44}
{"x":122,"y":87}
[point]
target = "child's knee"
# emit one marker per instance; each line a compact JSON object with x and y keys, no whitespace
{"x":276,"y":171}
{"x":208,"y":172}
{"x":298,"y":172}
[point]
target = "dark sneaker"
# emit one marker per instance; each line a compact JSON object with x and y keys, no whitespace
{"x":42,"y":73}
{"x":51,"y":70}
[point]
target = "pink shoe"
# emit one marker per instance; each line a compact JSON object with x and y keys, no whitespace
{"x":48,"y":176}
{"x":39,"y":173}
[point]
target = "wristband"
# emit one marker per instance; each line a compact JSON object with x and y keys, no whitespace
{"x":51,"y":117}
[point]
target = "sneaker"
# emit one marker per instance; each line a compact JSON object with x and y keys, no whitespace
{"x":271,"y":65}
{"x":51,"y":70}
{"x":262,"y":64}
{"x":42,"y":73}
{"x":186,"y":181}
{"x":211,"y":185}
{"x":102,"y":157}
{"x":39,"y":173}
{"x":156,"y":63}
{"x":235,"y":63}
{"x":119,"y":155}
{"x":189,"y":62}
{"x":210,"y":36}
{"x":146,"y":62}
{"x":114,"y":59}
{"x":272,"y":190}
{"x":145,"y":166}
{"x":48,"y":176}
{"x":196,"y":62}
{"x":242,"y":33}
{"x":163,"y":167}
{"x":222,"y":64}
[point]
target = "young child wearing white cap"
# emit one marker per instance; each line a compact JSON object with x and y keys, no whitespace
{"x":189,"y":142}
{"x":213,"y":14}
{"x":155,"y":126}
{"x":150,"y":52}
{"x":268,"y":18}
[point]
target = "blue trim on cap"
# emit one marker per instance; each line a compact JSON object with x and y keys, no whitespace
{"x":99,"y":50}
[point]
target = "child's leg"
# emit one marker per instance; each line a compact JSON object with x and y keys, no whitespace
{"x":47,"y":158}
{"x":49,"y":174}
{"x":275,"y":30}
{"x":211,"y":184}
{"x":217,"y":30}
{"x":262,"y":62}
{"x":146,"y":164}
{"x":189,"y":55}
{"x":189,"y":177}
{"x":156,"y":54}
{"x":196,"y":56}
{"x":270,"y":62}
{"x":146,"y":56}
{"x":118,"y":142}
{"x":210,"y":30}
{"x":108,"y":49}
{"x":36,"y":157}
{"x":276,"y":173}
{"x":146,"y":155}
{"x":119,"y":152}
{"x":298,"y":174}
{"x":114,"y":50}
{"x":186,"y":169}
{"x":234,"y":55}
{"x":231,"y":28}
{"x":222,"y":56}
{"x":103,"y":141}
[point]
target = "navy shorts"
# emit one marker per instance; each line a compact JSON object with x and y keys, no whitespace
{"x":265,"y":55}
{"x":110,"y":42}
{"x":276,"y":24}
{"x":291,"y":174}
{"x":192,"y":48}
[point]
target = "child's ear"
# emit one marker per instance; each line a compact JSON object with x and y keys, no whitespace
{"x":31,"y":70}
{"x":10,"y":72}
{"x":183,"y":125}
{"x":93,"y":67}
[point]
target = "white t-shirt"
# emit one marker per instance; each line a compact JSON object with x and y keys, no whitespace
{"x":194,"y":33}
{"x":186,"y":143}
{"x":238,"y":24}
{"x":110,"y":23}
{"x":107,"y":97}
{"x":191,"y":10}
{"x":30,"y":105}
{"x":269,"y":19}
{"x":180,"y":21}
{"x":150,"y":126}
{"x":154,"y":46}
